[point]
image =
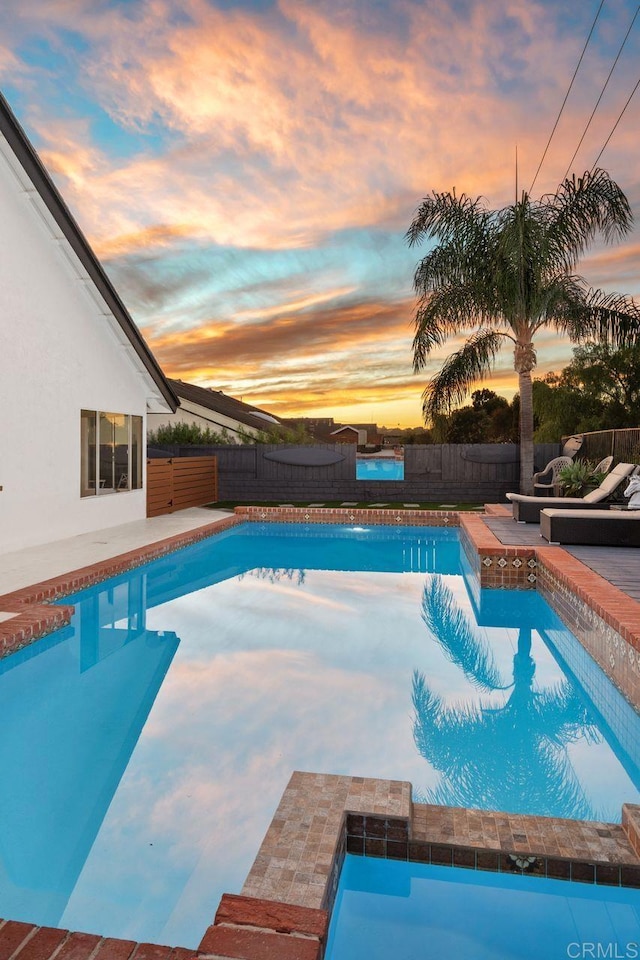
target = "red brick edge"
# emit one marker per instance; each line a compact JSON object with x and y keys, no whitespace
{"x":24,"y":941}
{"x":248,"y":928}
{"x":618,"y":610}
{"x":34,"y":619}
{"x":244,"y":928}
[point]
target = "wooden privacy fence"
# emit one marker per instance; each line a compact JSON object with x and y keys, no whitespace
{"x":180,"y":482}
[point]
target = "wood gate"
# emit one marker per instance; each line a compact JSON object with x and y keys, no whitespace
{"x":180,"y":482}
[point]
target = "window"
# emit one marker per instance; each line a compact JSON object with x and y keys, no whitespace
{"x":110,"y":453}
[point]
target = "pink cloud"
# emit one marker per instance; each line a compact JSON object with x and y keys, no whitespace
{"x":296,"y":122}
{"x":284,"y":126}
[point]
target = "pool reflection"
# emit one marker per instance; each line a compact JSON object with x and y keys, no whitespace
{"x":512,"y":756}
{"x":139,"y":782}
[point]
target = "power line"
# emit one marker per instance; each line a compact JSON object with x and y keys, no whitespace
{"x":620,"y":115}
{"x":601,"y":94}
{"x":567,"y":94}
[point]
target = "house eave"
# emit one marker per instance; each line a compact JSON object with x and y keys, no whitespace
{"x":88,"y":266}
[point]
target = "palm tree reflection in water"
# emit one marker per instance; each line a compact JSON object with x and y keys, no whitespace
{"x":511,"y":757}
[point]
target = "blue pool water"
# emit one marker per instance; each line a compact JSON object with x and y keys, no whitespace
{"x":379,"y":469}
{"x":145,"y":747}
{"x":411,"y":911}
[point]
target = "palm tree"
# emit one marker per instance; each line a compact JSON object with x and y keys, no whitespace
{"x":508,"y":274}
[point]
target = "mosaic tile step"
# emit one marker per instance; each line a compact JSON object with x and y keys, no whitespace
{"x":547,"y":836}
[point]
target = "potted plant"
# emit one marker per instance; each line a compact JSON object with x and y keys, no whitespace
{"x":579,"y":478}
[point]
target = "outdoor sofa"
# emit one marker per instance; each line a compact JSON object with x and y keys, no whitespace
{"x":527,"y":509}
{"x":605,"y":528}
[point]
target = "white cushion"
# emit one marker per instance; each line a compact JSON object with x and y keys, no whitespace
{"x":612,"y":515}
{"x":610,"y":482}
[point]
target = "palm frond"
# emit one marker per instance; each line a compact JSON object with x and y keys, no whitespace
{"x":460,"y":371}
{"x":443,"y":314}
{"x":615,"y":318}
{"x":580,"y":209}
{"x":447,"y":216}
{"x":561,"y":712}
{"x":447,"y":265}
{"x":589,"y":314}
{"x":453,"y":632}
{"x":550,"y":787}
{"x":488,"y":761}
{"x":520,"y":262}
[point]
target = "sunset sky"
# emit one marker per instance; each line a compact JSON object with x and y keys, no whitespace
{"x":246,"y":169}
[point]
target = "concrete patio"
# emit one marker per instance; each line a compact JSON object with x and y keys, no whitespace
{"x":21,"y":568}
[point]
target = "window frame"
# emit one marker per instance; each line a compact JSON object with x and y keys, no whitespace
{"x":95,"y":459}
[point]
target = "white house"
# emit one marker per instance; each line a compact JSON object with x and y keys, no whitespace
{"x":76,"y":378}
{"x":214,"y":410}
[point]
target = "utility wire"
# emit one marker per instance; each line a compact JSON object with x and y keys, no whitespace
{"x":567,"y":94}
{"x":595,"y":162}
{"x":601,"y":94}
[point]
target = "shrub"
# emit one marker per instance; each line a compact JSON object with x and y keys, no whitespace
{"x":190,"y":434}
{"x":186,"y":434}
{"x":579,"y":478}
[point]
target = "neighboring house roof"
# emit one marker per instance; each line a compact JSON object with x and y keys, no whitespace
{"x":46,"y":190}
{"x":359,"y":434}
{"x":219,"y":402}
{"x":366,"y":431}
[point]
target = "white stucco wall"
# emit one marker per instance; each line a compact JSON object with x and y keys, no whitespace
{"x":58,"y":355}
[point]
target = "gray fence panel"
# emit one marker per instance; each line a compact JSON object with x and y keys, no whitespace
{"x":439,"y":473}
{"x":288,"y":472}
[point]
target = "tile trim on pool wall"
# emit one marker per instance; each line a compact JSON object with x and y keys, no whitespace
{"x":494,"y":564}
{"x":605,"y":620}
{"x":322,"y":817}
{"x":586,"y":603}
{"x":370,"y":516}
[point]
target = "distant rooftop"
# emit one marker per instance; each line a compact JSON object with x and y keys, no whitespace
{"x":219,"y":402}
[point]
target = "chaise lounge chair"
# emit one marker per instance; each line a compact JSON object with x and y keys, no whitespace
{"x":527,"y":509}
{"x":603,"y":528}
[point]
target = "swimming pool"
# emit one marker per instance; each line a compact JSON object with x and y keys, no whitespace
{"x":379,"y":468}
{"x":138,"y":784}
{"x":410,"y":911}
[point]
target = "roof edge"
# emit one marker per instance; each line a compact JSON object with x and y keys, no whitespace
{"x":32,"y":165}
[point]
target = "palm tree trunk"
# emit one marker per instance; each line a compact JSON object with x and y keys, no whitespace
{"x":526,"y":431}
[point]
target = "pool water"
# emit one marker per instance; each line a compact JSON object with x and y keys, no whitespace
{"x":146,"y":746}
{"x":379,"y":468}
{"x":410,"y":911}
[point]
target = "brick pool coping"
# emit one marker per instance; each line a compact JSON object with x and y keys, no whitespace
{"x":283,"y":910}
{"x":34,"y":617}
{"x":605,"y":620}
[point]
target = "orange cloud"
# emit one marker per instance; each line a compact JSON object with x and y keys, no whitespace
{"x":295,"y":122}
{"x":280,"y":128}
